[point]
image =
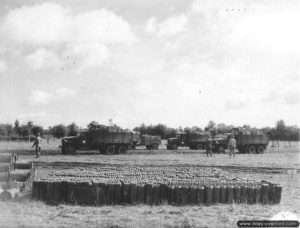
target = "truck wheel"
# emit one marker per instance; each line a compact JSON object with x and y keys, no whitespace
{"x":122,"y":149}
{"x":220,"y":150}
{"x":132,"y":147}
{"x":192,"y":147}
{"x":199,"y":147}
{"x":174,"y":147}
{"x":110,"y":150}
{"x":251,"y":149}
{"x":69,"y":149}
{"x":260,"y":149}
{"x":155,"y":146}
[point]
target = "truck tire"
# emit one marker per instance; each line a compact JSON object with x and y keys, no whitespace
{"x":260,"y":149}
{"x":122,"y":149}
{"x":251,"y":149}
{"x":69,"y":149}
{"x":192,"y":147}
{"x":221,"y":149}
{"x":155,"y":146}
{"x":199,"y":147}
{"x":110,"y":150}
{"x":132,"y":147}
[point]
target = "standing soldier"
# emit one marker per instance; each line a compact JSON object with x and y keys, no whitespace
{"x":209,"y":147}
{"x":37,"y":145}
{"x":232,"y":146}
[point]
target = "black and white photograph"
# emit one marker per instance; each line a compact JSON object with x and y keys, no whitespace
{"x":161,"y":113}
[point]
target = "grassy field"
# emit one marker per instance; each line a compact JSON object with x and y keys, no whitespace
{"x":280,"y":165}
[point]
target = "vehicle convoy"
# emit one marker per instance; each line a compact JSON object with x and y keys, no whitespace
{"x":150,"y":141}
{"x":103,"y":140}
{"x":196,"y":141}
{"x":247,"y":141}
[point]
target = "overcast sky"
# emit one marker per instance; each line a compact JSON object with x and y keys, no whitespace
{"x":177,"y":62}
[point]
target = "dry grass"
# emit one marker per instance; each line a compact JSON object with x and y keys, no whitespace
{"x":30,"y":213}
{"x":26,"y":147}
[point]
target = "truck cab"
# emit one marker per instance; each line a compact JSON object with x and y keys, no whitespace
{"x":194,"y":140}
{"x":220,"y":142}
{"x":179,"y":140}
{"x":72,"y":143}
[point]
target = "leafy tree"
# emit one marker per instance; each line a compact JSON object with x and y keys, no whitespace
{"x":17,"y":127}
{"x":24,"y":131}
{"x":280,"y":129}
{"x":37,"y":129}
{"x":6,"y":130}
{"x":211,"y":126}
{"x":59,"y":131}
{"x":72,"y":129}
{"x":30,"y":125}
{"x":194,"y":129}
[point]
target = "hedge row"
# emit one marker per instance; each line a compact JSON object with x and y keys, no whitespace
{"x":88,"y":193}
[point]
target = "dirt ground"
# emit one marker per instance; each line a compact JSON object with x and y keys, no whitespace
{"x":279,"y":165}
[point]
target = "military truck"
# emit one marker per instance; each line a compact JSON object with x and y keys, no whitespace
{"x":100,"y":139}
{"x":196,"y":141}
{"x":220,"y":142}
{"x":150,"y":141}
{"x":251,"y":142}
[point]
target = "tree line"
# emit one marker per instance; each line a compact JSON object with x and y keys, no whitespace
{"x":28,"y":130}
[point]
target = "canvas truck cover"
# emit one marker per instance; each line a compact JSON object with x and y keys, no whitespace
{"x":102,"y":137}
{"x":243,"y":139}
{"x":197,"y":137}
{"x":150,"y":139}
